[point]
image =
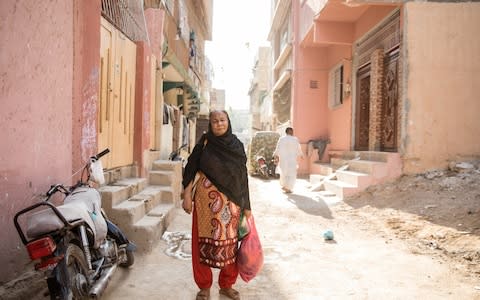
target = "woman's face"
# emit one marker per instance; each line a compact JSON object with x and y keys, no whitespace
{"x":219,"y":123}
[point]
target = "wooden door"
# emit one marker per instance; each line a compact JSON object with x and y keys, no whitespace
{"x":362,"y":122}
{"x":117,"y":96}
{"x":389,"y":118}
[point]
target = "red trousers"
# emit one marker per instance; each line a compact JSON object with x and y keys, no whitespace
{"x":202,"y":273}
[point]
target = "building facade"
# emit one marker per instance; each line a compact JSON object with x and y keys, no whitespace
{"x":260,"y":100}
{"x":380,"y":76}
{"x":89,"y":75}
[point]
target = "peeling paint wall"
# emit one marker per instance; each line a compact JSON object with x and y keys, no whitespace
{"x":36,"y":56}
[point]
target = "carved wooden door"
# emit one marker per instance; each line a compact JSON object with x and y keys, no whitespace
{"x":390,"y":103}
{"x":362,"y":122}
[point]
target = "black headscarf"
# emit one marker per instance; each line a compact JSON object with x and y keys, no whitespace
{"x":222,"y":159}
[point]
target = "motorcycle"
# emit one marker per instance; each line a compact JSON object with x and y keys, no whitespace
{"x":272,"y":167}
{"x":262,"y":168}
{"x":75,"y":244}
{"x":176,"y":155}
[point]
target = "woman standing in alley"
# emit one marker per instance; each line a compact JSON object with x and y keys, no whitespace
{"x":216,"y":190}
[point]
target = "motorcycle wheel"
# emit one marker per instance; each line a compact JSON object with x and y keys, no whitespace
{"x":72,"y":276}
{"x":130,"y":259}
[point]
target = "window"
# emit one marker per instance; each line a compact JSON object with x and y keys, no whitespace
{"x":335,"y":86}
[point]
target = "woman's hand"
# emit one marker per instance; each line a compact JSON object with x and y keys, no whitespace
{"x":247,"y":213}
{"x":187,"y":203}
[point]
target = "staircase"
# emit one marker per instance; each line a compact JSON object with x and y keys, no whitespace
{"x":142,"y":207}
{"x":350,"y":172}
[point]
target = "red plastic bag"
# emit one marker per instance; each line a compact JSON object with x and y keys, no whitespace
{"x":250,"y":253}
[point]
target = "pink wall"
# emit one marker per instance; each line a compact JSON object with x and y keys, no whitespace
{"x":309,"y":105}
{"x":154,"y":18}
{"x":36,"y":59}
{"x":141,"y":140}
{"x":340,"y":117}
{"x":85,"y":80}
{"x":371,"y":18}
{"x":442,"y":103}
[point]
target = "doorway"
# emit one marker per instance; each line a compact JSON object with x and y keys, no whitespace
{"x":117,"y":95}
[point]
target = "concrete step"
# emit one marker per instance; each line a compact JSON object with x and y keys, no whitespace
{"x":134,"y":208}
{"x":315,"y":178}
{"x":354,"y":178}
{"x":161,"y":177}
{"x":346,"y":155}
{"x":166,"y":165}
{"x":119,"y":173}
{"x":113,"y":195}
{"x":164,"y":194}
{"x":340,"y":188}
{"x":369,"y":155}
{"x":336,"y":163}
{"x":135,"y":184}
{"x":119,"y":191}
{"x":353,"y":171}
{"x":375,"y":156}
{"x":147,"y":231}
{"x":140,"y":206}
{"x":373,"y":168}
{"x":321,"y":168}
{"x":130,"y":211}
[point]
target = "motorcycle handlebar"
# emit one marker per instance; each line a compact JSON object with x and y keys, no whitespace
{"x":99,"y":155}
{"x":55,"y":188}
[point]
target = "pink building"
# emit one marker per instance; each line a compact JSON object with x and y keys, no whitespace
{"x":381,"y":80}
{"x":81,"y":76}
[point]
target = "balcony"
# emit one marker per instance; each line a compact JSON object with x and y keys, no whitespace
{"x":283,"y":56}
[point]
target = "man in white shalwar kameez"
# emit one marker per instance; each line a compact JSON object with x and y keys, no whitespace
{"x":287,"y":152}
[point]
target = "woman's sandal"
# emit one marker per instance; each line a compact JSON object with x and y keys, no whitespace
{"x":203,"y":294}
{"x":230,"y":293}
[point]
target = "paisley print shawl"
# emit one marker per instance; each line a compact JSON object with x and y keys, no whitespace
{"x":218,"y":219}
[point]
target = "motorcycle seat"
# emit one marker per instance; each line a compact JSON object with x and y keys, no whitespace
{"x":82,"y":204}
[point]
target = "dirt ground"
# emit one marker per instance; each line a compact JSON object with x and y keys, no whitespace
{"x":436,"y":213}
{"x":415,"y":238}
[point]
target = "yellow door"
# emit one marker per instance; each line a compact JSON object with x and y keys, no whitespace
{"x":117,"y":96}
